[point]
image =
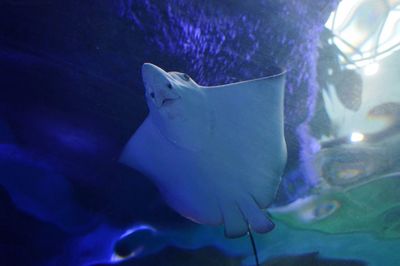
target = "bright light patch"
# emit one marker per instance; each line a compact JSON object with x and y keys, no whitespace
{"x":371,"y":69}
{"x":365,"y":31}
{"x":138,"y":228}
{"x":357,"y":137}
{"x":116,"y":258}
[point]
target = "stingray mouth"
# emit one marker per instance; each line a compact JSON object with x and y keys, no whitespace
{"x":161,"y":98}
{"x":166,"y":102}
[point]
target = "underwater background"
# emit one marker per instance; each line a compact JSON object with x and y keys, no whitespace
{"x":71,"y":95}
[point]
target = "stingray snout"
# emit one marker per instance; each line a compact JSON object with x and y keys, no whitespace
{"x":158,"y":86}
{"x":155,"y":79}
{"x":152,"y":73}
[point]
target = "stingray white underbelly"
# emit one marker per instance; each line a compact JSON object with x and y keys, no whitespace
{"x":215,"y":153}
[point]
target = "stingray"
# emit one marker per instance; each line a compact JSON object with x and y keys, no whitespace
{"x":215,"y":153}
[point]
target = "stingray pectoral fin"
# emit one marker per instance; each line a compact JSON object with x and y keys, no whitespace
{"x":234,"y":221}
{"x":264,"y":192}
{"x":256,"y":218}
{"x":199,"y":208}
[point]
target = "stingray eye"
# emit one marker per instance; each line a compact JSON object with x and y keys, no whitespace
{"x":152,"y":95}
{"x":185,"y":77}
{"x":169,"y":86}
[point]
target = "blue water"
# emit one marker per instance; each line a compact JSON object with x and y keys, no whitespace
{"x":71,"y":95}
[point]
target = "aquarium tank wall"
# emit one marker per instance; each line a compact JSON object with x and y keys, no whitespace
{"x":176,"y":132}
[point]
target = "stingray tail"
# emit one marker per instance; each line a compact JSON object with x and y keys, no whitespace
{"x":253,"y":245}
